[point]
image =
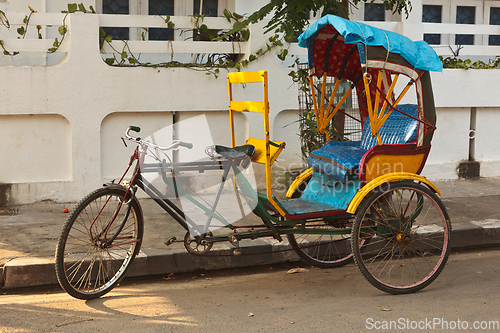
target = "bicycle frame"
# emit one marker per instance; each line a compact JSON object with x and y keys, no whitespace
{"x":273,"y":225}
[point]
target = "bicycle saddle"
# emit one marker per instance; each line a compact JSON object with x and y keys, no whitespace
{"x":236,"y":152}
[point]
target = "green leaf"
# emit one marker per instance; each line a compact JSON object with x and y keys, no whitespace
{"x":283,"y":54}
{"x":204,"y":29}
{"x":110,"y":61}
{"x":289,"y":38}
{"x":227,"y":14}
{"x":252,"y":57}
{"x":124,"y":55}
{"x":245,"y":34}
{"x":72,"y":7}
{"x":52,"y":49}
{"x":62,"y":30}
{"x":21,"y":31}
{"x":132,"y":60}
{"x":6,"y":53}
{"x":25,"y":20}
{"x":238,"y":26}
{"x":81,"y":8}
{"x":1,"y":42}
{"x":108,"y":38}
{"x":237,"y":16}
{"x":56,"y":43}
{"x":171,"y":25}
{"x":102,"y":33}
{"x":92,"y":9}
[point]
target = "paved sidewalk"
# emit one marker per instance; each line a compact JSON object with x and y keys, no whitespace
{"x":28,"y":238}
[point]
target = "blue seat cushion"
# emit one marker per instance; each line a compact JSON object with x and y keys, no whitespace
{"x":398,"y":128}
{"x":336,"y":158}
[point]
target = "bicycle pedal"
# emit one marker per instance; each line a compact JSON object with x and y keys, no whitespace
{"x":237,"y":252}
{"x":170,"y":240}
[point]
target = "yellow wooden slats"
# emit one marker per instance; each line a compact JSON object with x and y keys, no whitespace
{"x":247,"y":106}
{"x":246,"y":77}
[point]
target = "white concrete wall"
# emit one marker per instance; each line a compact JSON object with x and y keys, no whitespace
{"x":62,"y":123}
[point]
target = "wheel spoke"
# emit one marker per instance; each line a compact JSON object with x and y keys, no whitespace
{"x":410,"y":243}
{"x":86,"y":266}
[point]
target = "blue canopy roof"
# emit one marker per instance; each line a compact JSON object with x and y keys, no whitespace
{"x":418,"y":54}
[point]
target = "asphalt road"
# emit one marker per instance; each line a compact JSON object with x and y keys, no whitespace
{"x":267,"y":299}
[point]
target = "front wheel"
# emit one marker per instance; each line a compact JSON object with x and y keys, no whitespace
{"x":98,"y":242}
{"x":409,"y":231}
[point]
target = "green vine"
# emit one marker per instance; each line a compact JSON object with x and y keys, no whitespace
{"x":289,"y":17}
{"x":4,"y":20}
{"x":210,"y":63}
{"x":454,"y":62}
{"x":23,"y":30}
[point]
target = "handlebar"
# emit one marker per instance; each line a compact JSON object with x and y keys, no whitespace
{"x":185,"y":144}
{"x":175,"y":144}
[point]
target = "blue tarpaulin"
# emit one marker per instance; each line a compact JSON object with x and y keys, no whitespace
{"x":419,"y":54}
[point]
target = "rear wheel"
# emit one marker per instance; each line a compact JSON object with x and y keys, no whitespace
{"x":98,"y":243}
{"x":325,"y":251}
{"x":410,"y":233}
{"x":321,"y":250}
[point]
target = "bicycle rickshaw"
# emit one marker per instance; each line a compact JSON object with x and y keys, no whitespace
{"x":361,"y":200}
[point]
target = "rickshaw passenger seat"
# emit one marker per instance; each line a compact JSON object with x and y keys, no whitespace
{"x":398,"y":128}
{"x":338,"y":158}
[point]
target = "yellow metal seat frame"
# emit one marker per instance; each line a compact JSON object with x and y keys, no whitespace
{"x":266,"y":151}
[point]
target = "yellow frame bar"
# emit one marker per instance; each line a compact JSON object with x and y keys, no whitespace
{"x":337,"y":107}
{"x":246,"y":77}
{"x":313,"y":93}
{"x":322,"y":107}
{"x":297,"y":181}
{"x":247,"y":106}
{"x":368,"y":97}
{"x":384,"y":106}
{"x":260,"y":107}
{"x":388,"y":178}
{"x":377,"y":101}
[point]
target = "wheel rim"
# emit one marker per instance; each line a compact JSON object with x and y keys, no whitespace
{"x":409,"y":239}
{"x":90,"y":266}
{"x":324,"y":249}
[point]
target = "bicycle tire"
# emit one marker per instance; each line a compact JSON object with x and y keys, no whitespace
{"x":320,"y":250}
{"x":410,"y":237}
{"x":87,"y":267}
{"x":325,"y":251}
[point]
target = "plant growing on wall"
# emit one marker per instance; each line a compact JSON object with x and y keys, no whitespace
{"x":63,"y":29}
{"x":454,"y":62}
